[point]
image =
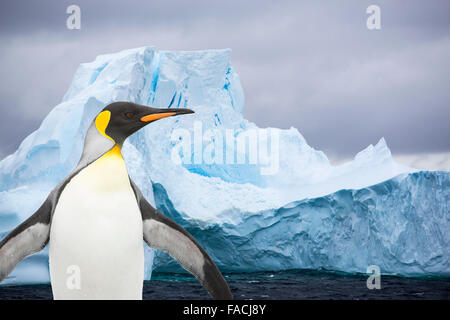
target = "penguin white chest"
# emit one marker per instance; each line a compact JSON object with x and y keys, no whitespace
{"x":96,"y":242}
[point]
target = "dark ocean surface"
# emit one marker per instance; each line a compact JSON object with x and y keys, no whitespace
{"x":290,"y":285}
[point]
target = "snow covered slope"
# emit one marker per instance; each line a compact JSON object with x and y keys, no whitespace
{"x":195,"y":161}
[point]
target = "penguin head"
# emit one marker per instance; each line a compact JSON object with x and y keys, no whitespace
{"x":119,"y":120}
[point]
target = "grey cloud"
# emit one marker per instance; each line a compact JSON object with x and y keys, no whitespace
{"x":308,"y":64}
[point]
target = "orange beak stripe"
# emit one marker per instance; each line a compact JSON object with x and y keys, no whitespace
{"x":156,"y":116}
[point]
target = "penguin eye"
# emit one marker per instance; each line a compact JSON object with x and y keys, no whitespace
{"x":129,"y":115}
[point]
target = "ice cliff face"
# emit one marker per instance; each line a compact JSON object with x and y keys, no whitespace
{"x":401,"y":225}
{"x":270,"y":202}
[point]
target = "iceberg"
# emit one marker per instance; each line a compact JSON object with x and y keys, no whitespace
{"x":400,"y":225}
{"x":255,"y":198}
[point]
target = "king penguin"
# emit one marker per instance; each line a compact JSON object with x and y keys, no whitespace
{"x":95,"y":221}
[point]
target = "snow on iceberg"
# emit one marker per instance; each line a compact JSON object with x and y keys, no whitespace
{"x":234,"y":197}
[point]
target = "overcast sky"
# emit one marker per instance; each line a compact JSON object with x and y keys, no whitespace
{"x":312,"y":64}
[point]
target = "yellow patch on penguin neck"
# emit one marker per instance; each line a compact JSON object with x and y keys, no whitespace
{"x":102,"y":121}
{"x":106,"y":174}
{"x":114,"y":152}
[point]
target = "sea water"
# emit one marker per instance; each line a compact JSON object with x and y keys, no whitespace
{"x":293,"y":284}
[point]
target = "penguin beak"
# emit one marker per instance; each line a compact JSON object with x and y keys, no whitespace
{"x":164,"y":113}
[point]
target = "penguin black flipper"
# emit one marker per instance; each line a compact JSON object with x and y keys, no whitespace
{"x":29,"y":237}
{"x":164,"y":234}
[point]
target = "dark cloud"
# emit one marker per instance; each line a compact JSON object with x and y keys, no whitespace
{"x":309,"y":64}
